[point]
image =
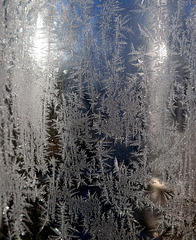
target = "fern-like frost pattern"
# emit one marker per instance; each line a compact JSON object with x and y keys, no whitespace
{"x":97,"y":116}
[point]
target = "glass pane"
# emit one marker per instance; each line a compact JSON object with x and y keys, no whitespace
{"x":98,"y":119}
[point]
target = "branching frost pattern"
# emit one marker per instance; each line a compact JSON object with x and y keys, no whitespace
{"x":97,"y":114}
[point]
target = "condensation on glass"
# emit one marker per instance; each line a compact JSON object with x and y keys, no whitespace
{"x":97,"y":116}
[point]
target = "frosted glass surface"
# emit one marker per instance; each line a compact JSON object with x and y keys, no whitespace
{"x":97,"y":119}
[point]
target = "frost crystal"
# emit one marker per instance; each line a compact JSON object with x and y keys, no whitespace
{"x":97,"y":116}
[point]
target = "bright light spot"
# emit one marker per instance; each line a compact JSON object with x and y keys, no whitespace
{"x":162,"y":52}
{"x":40,"y":22}
{"x":162,"y":2}
{"x":40,"y":46}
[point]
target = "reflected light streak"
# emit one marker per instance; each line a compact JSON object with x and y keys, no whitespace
{"x":162,"y":52}
{"x":40,"y":42}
